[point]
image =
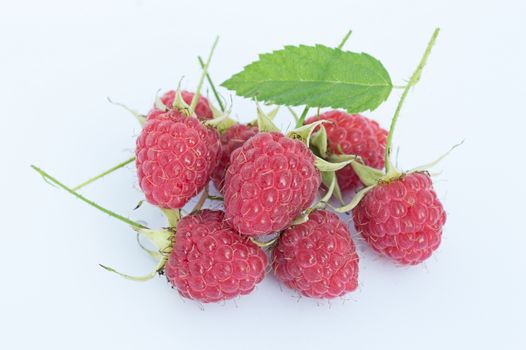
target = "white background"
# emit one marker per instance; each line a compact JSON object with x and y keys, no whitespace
{"x":60,"y":60}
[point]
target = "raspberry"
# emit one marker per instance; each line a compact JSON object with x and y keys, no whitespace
{"x":353,"y":134}
{"x":231,"y":140}
{"x":317,"y":258}
{"x":270,"y":181}
{"x":175,"y":156}
{"x":402,"y":219}
{"x":211,"y":262}
{"x":202,"y":109}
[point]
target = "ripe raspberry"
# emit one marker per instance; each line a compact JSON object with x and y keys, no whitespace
{"x":317,"y":258}
{"x":202,"y":109}
{"x":211,"y":262}
{"x":231,"y":140}
{"x":270,"y":181}
{"x":353,"y":134}
{"x":402,"y":219}
{"x":175,"y":156}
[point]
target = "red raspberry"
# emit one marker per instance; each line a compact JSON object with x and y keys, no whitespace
{"x":270,"y":181}
{"x":402,"y":219}
{"x":202,"y":109}
{"x":231,"y":140}
{"x":317,"y":258}
{"x":211,"y":262}
{"x":175,"y":156}
{"x":353,"y":134}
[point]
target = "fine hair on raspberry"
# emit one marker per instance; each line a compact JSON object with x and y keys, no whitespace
{"x":402,"y":219}
{"x":176,"y":155}
{"x":211,"y":262}
{"x":318,"y":258}
{"x":357,"y":135}
{"x":270,"y":181}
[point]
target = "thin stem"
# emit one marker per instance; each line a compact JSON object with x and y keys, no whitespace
{"x":201,"y":201}
{"x":205,"y":70}
{"x":109,"y":171}
{"x":294,"y":114}
{"x":263,"y":244}
{"x":214,"y":90}
{"x":46,"y":176}
{"x":412,"y":82}
{"x":344,"y":40}
{"x":301,"y":120}
{"x":216,"y":198}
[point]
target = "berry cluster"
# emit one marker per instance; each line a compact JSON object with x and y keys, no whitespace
{"x":276,"y":191}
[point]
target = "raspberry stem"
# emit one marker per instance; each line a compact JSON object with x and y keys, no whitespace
{"x":201,"y":200}
{"x":205,"y":70}
{"x":412,"y":82}
{"x":212,"y":86}
{"x":301,"y":120}
{"x":263,"y":244}
{"x":48,"y":177}
{"x":101,"y":175}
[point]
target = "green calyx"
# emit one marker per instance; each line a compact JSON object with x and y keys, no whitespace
{"x":221,"y":123}
{"x":180,"y":104}
{"x":141,"y":118}
{"x":305,"y":132}
{"x":329,"y":179}
{"x":265,"y":116}
{"x":319,"y":140}
{"x":162,"y":239}
{"x":264,"y":121}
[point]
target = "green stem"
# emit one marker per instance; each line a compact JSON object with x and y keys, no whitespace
{"x":412,"y":82}
{"x":205,"y":70}
{"x":46,"y":176}
{"x":344,"y":40}
{"x":294,"y":114}
{"x":301,"y":120}
{"x":109,"y":171}
{"x":214,"y":90}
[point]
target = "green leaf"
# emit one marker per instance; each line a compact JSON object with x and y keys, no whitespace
{"x":316,"y":76}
